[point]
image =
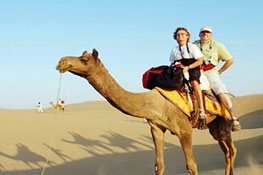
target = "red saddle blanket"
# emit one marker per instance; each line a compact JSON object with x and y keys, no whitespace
{"x":180,"y":99}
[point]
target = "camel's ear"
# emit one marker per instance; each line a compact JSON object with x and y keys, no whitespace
{"x":84,"y":53}
{"x":95,"y":53}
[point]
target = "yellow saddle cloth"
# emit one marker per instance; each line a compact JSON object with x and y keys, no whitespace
{"x":180,"y":99}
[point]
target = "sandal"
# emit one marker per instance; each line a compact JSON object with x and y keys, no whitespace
{"x":202,"y":114}
{"x":236,"y":126}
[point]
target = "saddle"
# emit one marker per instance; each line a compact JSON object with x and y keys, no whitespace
{"x":180,"y":98}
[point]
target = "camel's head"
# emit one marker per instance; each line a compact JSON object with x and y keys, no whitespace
{"x":81,"y":66}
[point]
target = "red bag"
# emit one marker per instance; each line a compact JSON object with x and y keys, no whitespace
{"x":163,"y":76}
{"x":150,"y":76}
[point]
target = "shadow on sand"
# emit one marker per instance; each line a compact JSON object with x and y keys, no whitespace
{"x":252,"y":120}
{"x":139,"y":155}
{"x":27,"y":156}
{"x":135,"y":161}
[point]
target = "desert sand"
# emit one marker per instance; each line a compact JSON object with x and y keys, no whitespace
{"x":93,"y":138}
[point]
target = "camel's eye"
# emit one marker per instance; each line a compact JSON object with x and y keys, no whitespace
{"x":83,"y":61}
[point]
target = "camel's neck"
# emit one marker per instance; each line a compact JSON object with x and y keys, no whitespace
{"x":103,"y":82}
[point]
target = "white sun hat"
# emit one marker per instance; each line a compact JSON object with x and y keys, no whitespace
{"x":209,"y":29}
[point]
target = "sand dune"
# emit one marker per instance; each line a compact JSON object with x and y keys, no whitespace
{"x":96,"y":139}
{"x":247,"y":104}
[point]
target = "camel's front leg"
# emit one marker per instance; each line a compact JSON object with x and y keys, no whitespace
{"x":186,"y":143}
{"x":158,"y":139}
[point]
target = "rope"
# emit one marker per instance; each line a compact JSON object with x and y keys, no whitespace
{"x":59,"y":86}
{"x":53,"y":130}
{"x":50,"y":146}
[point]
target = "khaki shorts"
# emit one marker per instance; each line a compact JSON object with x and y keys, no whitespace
{"x":215,"y":82}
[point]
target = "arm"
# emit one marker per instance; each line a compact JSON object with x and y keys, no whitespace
{"x":197,"y":63}
{"x":224,"y":55}
{"x":227,"y":64}
{"x":172,"y":57}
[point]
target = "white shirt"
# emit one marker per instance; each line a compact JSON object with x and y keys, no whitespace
{"x":195,"y":53}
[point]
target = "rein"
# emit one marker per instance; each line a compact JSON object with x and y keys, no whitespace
{"x":53,"y":130}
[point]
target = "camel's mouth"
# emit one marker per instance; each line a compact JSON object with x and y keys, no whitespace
{"x":63,"y":65}
{"x":63,"y":69}
{"x":79,"y":74}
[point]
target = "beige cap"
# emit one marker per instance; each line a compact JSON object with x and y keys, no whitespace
{"x":206,"y":29}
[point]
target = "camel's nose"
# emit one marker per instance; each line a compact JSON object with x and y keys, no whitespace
{"x":57,"y":67}
{"x":63,"y":65}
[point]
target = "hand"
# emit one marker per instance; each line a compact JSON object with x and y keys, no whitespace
{"x":186,"y":68}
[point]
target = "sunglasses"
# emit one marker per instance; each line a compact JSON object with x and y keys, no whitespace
{"x":205,"y":31}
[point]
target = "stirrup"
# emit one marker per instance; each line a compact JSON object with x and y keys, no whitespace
{"x":202,"y":114}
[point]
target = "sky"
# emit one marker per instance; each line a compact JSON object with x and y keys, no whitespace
{"x":130,"y":36}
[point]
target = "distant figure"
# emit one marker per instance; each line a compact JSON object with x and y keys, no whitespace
{"x":39,"y":107}
{"x":62,"y":104}
{"x":59,"y":101}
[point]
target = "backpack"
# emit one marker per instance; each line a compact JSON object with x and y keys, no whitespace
{"x":166,"y":77}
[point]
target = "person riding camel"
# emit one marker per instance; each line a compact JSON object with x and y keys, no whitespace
{"x":190,"y":56}
{"x":214,"y":52}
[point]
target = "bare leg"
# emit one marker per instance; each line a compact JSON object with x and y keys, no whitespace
{"x":158,"y":139}
{"x":199,"y":99}
{"x":227,"y":103}
{"x":198,"y":94}
{"x":186,"y":143}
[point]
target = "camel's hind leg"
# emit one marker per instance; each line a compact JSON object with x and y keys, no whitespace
{"x":186,"y":143}
{"x":230,"y":151}
{"x":158,"y":139}
{"x":220,"y":130}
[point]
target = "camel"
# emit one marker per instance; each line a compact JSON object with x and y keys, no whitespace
{"x":58,"y":106}
{"x":161,"y":114}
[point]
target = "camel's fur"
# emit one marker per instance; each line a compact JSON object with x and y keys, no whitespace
{"x":160,"y":113}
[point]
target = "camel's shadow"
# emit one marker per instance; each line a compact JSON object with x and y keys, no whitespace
{"x":135,"y":160}
{"x":29,"y":158}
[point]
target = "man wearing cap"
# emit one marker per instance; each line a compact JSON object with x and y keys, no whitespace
{"x":214,"y":52}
